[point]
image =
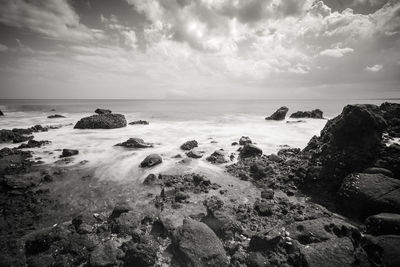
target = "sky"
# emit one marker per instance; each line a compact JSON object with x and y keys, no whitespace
{"x":199,"y":49}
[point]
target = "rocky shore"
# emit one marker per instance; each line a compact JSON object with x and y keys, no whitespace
{"x":334,"y":203}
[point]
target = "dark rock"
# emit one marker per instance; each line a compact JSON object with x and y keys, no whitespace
{"x":11,"y":136}
{"x":213,"y":203}
{"x":139,"y":122}
{"x":33,"y":144}
{"x":383,"y":250}
{"x":189,"y":145}
{"x":376,"y":170}
{"x":250,"y":150}
{"x":195,"y":244}
{"x":258,"y":171}
{"x":256,"y":259}
{"x":102,"y":111}
{"x":103,"y":121}
{"x":296,"y":121}
{"x":263,"y":208}
{"x":1,"y":113}
{"x":104,"y":255}
{"x":267,"y":194}
{"x":142,"y":254}
{"x":135,"y":143}
{"x":151,"y":179}
{"x":260,"y":242}
{"x":69,"y":153}
{"x":275,"y":158}
{"x":181,"y":196}
{"x":194,"y":154}
{"x":55,"y":116}
{"x":278,"y":115}
{"x":383,"y":224}
{"x":315,"y":114}
{"x":244,"y":140}
{"x":119,"y":209}
{"x":234,"y":143}
{"x":367,"y":194}
{"x":151,"y":160}
{"x":217,"y":157}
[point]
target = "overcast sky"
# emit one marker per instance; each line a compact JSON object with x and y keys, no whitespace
{"x":199,"y":49}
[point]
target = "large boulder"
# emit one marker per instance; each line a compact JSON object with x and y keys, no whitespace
{"x":195,"y":244}
{"x":278,"y":115}
{"x":250,"y":150}
{"x":366,"y":194}
{"x":151,"y":160}
{"x":383,"y":224}
{"x":188,"y":145}
{"x":314,"y":114}
{"x":101,"y":121}
{"x":383,"y":250}
{"x":135,"y":143}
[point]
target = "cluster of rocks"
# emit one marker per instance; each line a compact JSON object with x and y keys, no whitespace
{"x":280,"y":114}
{"x":18,"y":135}
{"x":104,"y":119}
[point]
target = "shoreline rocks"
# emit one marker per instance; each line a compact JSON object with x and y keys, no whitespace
{"x":101,"y":121}
{"x":278,"y":115}
{"x":314,"y":114}
{"x":135,"y":143}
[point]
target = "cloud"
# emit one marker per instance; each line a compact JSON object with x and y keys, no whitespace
{"x":3,"y":48}
{"x":336,"y":52}
{"x":374,"y":68}
{"x":50,"y":18}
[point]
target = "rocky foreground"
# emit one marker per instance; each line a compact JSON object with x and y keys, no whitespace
{"x":334,"y":203}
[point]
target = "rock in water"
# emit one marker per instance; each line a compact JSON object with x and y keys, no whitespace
{"x":250,"y":150}
{"x":139,"y":122}
{"x":135,"y":143}
{"x":55,"y":116}
{"x":69,"y":153}
{"x":151,"y":160}
{"x":217,"y":157}
{"x":367,"y":194}
{"x":314,"y":114}
{"x":1,"y":113}
{"x":195,"y":244}
{"x":102,"y":111}
{"x":189,"y":145}
{"x":278,"y":115}
{"x":103,"y":121}
{"x":244,"y":140}
{"x":194,"y":154}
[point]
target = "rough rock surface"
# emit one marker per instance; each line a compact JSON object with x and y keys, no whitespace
{"x":135,"y":143}
{"x":101,"y":121}
{"x":383,"y":224}
{"x":188,"y":145}
{"x":250,"y":150}
{"x":217,"y":157}
{"x":278,"y":115}
{"x":102,"y":111}
{"x":151,"y":160}
{"x":244,"y":140}
{"x":315,"y":114}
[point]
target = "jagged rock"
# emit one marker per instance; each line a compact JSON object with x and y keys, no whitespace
{"x":140,"y":122}
{"x":315,"y":114}
{"x":278,"y":115}
{"x":250,"y":150}
{"x":188,"y":145}
{"x":102,"y":121}
{"x":55,"y":116}
{"x":151,"y":160}
{"x":367,"y":194}
{"x":102,"y":111}
{"x":244,"y":140}
{"x":383,"y":224}
{"x":195,"y":244}
{"x":234,"y":143}
{"x":135,"y":143}
{"x":217,"y":157}
{"x":263,"y":207}
{"x":69,"y":153}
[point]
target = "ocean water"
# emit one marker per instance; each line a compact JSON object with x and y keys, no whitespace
{"x":214,"y":124}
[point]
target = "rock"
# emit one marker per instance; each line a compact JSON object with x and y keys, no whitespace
{"x":194,"y":154}
{"x":69,"y":153}
{"x":55,"y":116}
{"x":181,"y":196}
{"x":275,"y":158}
{"x":102,"y":111}
{"x":119,"y":209}
{"x":263,"y":208}
{"x":135,"y":143}
{"x":12,"y":136}
{"x":104,"y":255}
{"x":383,"y":224}
{"x":151,"y":160}
{"x":195,"y":244}
{"x":234,"y":143}
{"x":367,"y":194}
{"x":260,"y":242}
{"x":250,"y":150}
{"x":376,"y":170}
{"x":142,"y":254}
{"x":244,"y":140}
{"x":383,"y":250}
{"x":315,"y":114}
{"x":217,"y":157}
{"x":33,"y":144}
{"x":296,"y":121}
{"x":189,"y":145}
{"x":330,"y":253}
{"x":267,"y":194}
{"x":103,"y":121}
{"x":213,"y":203}
{"x":278,"y":115}
{"x":256,"y":259}
{"x":140,"y":122}
{"x":151,"y":179}
{"x":1,"y":113}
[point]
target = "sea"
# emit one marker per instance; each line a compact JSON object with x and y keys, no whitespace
{"x":214,"y":124}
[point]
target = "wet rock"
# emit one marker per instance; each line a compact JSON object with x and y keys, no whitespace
{"x":41,"y":261}
{"x":261,"y":242}
{"x":383,"y":250}
{"x":367,"y":194}
{"x":188,"y":145}
{"x":383,"y":224}
{"x":315,"y":114}
{"x":104,"y":255}
{"x":11,"y":136}
{"x":296,"y":121}
{"x":69,"y":153}
{"x":391,"y":113}
{"x":14,"y":161}
{"x":151,"y":160}
{"x":139,"y":122}
{"x":278,"y":115}
{"x":33,"y":144}
{"x":250,"y":150}
{"x":217,"y":157}
{"x":101,"y":111}
{"x":244,"y":140}
{"x":195,"y":244}
{"x":151,"y":179}
{"x":194,"y":154}
{"x":55,"y":116}
{"x":275,"y":158}
{"x":103,"y":121}
{"x":135,"y":143}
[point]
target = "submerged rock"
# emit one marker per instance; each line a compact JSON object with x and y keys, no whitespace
{"x":278,"y":115}
{"x":315,"y":114}
{"x":140,"y":122}
{"x":135,"y":143}
{"x":195,"y":244}
{"x":103,"y":121}
{"x":189,"y":145}
{"x":55,"y":116}
{"x":102,"y":111}
{"x":250,"y":150}
{"x":69,"y":153}
{"x":151,"y":160}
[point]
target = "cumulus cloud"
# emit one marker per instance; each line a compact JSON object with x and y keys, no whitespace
{"x":374,"y":68}
{"x":336,"y":52}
